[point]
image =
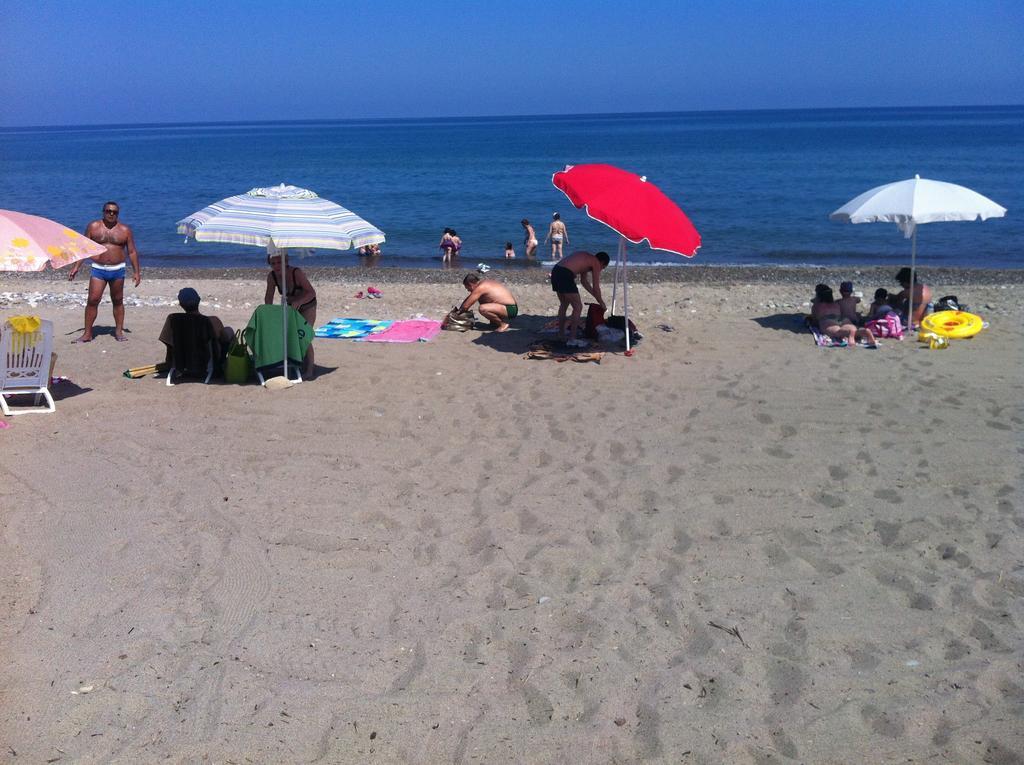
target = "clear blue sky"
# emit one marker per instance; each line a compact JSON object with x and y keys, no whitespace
{"x":156,"y":61}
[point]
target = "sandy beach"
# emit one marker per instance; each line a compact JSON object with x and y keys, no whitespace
{"x":732,"y":547}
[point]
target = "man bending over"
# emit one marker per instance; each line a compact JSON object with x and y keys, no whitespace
{"x":497,"y":304}
{"x":563,"y":281}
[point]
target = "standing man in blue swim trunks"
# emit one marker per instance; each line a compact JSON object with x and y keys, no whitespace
{"x":108,"y":268}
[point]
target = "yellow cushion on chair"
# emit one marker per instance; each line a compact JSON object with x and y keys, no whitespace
{"x":26,"y":331}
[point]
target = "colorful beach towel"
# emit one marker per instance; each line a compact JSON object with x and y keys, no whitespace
{"x":824,"y":341}
{"x":411,"y":331}
{"x":352,"y":329}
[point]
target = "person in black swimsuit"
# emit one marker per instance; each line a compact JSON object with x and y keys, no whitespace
{"x":301,"y":297}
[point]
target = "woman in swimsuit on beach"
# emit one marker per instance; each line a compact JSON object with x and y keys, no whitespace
{"x":829,"y":316}
{"x":530,"y":238}
{"x":301,"y":297}
{"x":557,"y":233}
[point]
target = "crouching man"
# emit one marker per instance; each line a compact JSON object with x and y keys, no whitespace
{"x":497,"y":303}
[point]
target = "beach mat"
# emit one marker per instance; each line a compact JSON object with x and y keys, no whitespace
{"x":411,"y":331}
{"x":351,"y":329}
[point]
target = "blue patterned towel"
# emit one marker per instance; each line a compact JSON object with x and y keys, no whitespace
{"x":350,"y":329}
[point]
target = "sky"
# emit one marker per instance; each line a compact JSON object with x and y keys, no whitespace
{"x":74,"y":63}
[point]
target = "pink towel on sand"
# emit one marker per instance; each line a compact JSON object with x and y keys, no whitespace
{"x":405,"y":332}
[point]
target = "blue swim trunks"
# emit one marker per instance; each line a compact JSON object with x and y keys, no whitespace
{"x":108,"y":273}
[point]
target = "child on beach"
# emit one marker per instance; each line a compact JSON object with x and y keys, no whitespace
{"x":880,"y":305}
{"x":848,"y":303}
{"x":509,"y":252}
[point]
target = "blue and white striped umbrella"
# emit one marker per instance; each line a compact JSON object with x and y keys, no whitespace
{"x":280,"y":217}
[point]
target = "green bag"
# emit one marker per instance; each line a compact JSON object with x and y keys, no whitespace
{"x":238,"y":362}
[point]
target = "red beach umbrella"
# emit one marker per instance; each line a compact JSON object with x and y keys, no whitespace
{"x":631,"y":205}
{"x":634,"y":208}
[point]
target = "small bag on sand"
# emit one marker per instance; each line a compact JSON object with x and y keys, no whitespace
{"x":949,"y":303}
{"x":595,"y":319}
{"x":238,"y":362}
{"x":886,"y":326}
{"x":458,"y":321}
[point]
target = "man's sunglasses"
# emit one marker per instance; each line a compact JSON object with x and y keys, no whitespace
{"x":110,"y":212}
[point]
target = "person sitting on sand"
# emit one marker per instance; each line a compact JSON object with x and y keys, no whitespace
{"x":188,"y":299}
{"x":880,"y":306}
{"x":497,"y":304}
{"x":922,"y":297}
{"x":848,"y":303}
{"x":301,"y":297}
{"x":828,"y":315}
{"x":563,"y":281}
{"x":529,"y":238}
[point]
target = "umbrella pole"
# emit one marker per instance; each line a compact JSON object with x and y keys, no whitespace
{"x":615,"y":278}
{"x":913,"y":265}
{"x":625,"y":287}
{"x":284,"y":306}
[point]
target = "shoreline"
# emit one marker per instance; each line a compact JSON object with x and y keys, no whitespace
{"x":682,"y":274}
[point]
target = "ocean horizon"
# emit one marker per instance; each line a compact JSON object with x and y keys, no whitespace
{"x":758,"y":185}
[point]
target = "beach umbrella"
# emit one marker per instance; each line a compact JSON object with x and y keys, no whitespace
{"x":279,"y":218}
{"x":635,"y":209}
{"x":913,"y":202}
{"x":30,"y":243}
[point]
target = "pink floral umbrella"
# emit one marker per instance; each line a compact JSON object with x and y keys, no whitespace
{"x":29,"y":243}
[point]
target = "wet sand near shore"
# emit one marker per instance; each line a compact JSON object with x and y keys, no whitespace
{"x":732,"y":547}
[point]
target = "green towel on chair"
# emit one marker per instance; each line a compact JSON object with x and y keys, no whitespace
{"x":265,"y":338}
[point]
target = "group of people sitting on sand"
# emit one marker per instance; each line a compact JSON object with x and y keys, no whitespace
{"x":842,"y":321}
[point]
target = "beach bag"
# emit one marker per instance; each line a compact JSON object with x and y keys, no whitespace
{"x":238,"y":362}
{"x":619,"y":323}
{"x":595,"y":319}
{"x":886,"y":326}
{"x":949,"y":303}
{"x":458,"y":321}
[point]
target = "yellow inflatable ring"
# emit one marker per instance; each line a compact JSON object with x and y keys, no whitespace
{"x":953,"y":324}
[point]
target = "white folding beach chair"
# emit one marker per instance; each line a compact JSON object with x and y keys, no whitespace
{"x":25,"y":368}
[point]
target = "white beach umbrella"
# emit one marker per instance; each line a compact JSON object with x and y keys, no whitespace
{"x":277,"y":218}
{"x":910,"y":203}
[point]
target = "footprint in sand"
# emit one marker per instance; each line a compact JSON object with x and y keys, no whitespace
{"x":889,"y":495}
{"x":887,"y":532}
{"x":829,"y":500}
{"x":881,"y":722}
{"x":837,"y":473}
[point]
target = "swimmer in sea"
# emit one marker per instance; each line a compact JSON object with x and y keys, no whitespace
{"x":557,"y":235}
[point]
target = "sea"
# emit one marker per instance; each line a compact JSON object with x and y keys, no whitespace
{"x":758,"y":185}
